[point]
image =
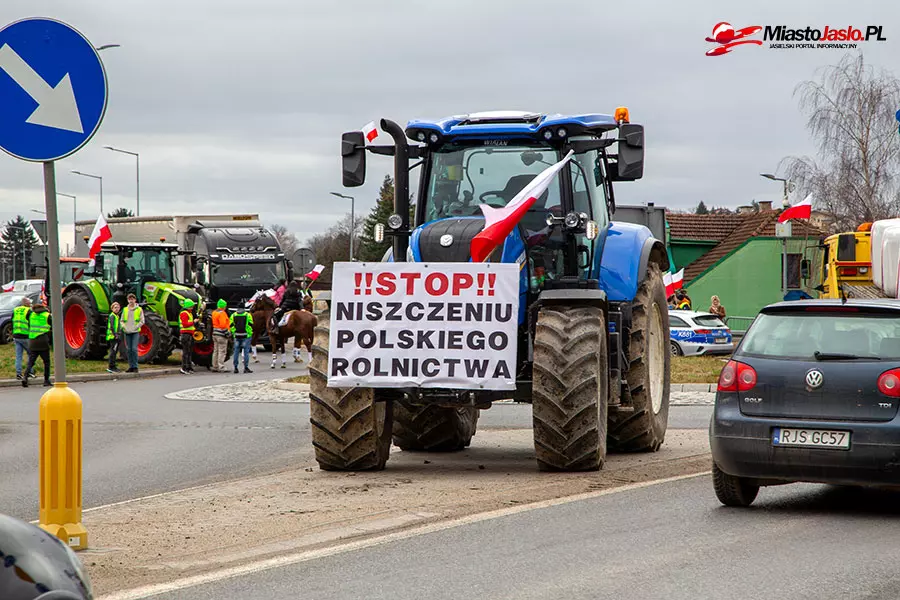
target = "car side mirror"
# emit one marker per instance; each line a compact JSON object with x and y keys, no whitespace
{"x":353,"y":158}
{"x":630,"y":160}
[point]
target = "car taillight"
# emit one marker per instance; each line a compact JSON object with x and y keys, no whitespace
{"x":889,"y":383}
{"x":739,"y":377}
{"x":703,"y":331}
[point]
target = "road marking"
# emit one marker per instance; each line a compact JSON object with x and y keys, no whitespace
{"x":299,"y":557}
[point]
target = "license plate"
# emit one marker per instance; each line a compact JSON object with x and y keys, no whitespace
{"x":811,"y":438}
{"x":721,"y":341}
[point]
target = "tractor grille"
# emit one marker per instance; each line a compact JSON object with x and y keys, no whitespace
{"x":462,"y":230}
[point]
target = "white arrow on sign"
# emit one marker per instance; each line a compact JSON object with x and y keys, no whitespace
{"x":56,"y":105}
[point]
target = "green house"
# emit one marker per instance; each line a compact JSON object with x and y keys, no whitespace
{"x":739,"y":258}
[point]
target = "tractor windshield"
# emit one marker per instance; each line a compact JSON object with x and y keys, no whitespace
{"x":148,"y":265}
{"x":247,"y":274}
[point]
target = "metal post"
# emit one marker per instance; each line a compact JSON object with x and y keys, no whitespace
{"x":401,"y":186}
{"x":56,"y":315}
{"x":101,"y":195}
{"x":138,"y":207}
{"x":352,"y":211}
{"x":784,"y":203}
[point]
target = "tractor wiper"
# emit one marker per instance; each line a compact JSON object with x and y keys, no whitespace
{"x":839,"y":356}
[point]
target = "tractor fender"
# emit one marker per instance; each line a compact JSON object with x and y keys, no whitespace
{"x":94,"y":291}
{"x":627,"y":251}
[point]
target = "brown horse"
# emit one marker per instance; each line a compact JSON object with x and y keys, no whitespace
{"x":300,"y":325}
{"x":261,"y":311}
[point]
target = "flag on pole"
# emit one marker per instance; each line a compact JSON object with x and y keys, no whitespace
{"x":801,"y":210}
{"x":100,"y":234}
{"x":673,"y":281}
{"x":370,"y":131}
{"x":499,"y":222}
{"x":314,"y":274}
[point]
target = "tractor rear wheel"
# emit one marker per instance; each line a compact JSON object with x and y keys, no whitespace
{"x":351,"y":431}
{"x":432,"y":428}
{"x":642,"y":428}
{"x":83,"y":328}
{"x":570,"y":388}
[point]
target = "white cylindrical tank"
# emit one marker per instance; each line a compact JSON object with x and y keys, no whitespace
{"x":877,"y":242}
{"x":890,"y":261}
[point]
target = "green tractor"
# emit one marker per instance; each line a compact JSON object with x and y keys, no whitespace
{"x":147,"y":270}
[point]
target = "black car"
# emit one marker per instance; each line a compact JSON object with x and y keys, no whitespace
{"x":8,"y":302}
{"x":811,"y":394}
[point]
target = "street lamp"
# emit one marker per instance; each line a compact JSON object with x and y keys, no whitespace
{"x":101,"y":185}
{"x":138,"y":158}
{"x":788,"y":187}
{"x":352,"y":207}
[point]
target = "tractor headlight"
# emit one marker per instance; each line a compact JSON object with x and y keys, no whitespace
{"x":591,"y":230}
{"x":433,"y":138}
{"x":561,"y":132}
{"x":378,"y":234}
{"x":548,"y":135}
{"x":573,"y":220}
{"x":420,"y":136}
{"x":395,"y":221}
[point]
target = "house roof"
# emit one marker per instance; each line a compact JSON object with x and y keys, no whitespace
{"x":702,"y":227}
{"x":761,"y":224}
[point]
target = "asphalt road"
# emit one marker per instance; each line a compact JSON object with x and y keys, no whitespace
{"x":138,"y":443}
{"x":668,"y":541}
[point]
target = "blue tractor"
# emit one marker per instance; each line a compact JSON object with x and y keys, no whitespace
{"x":593,"y":353}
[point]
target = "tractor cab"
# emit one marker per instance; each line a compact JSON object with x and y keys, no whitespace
{"x":135,"y":268}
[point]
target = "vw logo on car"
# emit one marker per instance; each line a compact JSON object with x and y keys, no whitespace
{"x":814,"y":379}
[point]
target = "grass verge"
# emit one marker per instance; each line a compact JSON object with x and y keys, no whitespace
{"x":697,"y":369}
{"x":8,"y":364}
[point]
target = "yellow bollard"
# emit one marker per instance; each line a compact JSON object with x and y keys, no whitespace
{"x":60,"y":466}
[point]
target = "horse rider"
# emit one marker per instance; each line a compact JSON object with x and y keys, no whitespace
{"x":290,"y":301}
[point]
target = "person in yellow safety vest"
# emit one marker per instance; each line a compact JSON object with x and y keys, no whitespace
{"x":682,"y":302}
{"x":20,"y":332}
{"x":132,"y":323}
{"x":39,"y":337}
{"x":242,"y":330}
{"x":221,"y":332}
{"x":112,"y":336}
{"x":188,"y":325}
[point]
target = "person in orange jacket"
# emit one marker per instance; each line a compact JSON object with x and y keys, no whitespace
{"x":221,"y":332}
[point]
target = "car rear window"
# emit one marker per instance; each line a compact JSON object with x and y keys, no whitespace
{"x":708,"y":321}
{"x":799,"y":335}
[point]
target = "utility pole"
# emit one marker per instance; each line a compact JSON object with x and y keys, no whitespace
{"x":352,"y":213}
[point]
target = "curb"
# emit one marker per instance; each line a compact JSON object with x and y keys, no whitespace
{"x":86,"y":377}
{"x":291,"y":387}
{"x":693,"y":387}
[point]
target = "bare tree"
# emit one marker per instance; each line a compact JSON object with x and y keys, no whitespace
{"x":850,"y":113}
{"x":286,"y":239}
{"x":334,"y":245}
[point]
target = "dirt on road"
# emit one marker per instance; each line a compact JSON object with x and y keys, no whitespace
{"x":193,"y":531}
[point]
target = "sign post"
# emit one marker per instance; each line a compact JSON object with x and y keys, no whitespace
{"x":52,"y":101}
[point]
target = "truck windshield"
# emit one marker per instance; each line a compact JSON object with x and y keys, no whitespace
{"x":249,"y":274}
{"x":464,"y":177}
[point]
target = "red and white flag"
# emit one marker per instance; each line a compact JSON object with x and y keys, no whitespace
{"x":499,"y":222}
{"x":9,"y":286}
{"x":100,"y":234}
{"x":314,"y":274}
{"x":370,"y":131}
{"x":673,"y":281}
{"x":801,"y":210}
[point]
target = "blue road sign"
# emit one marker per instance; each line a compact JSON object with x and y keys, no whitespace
{"x":52,"y":90}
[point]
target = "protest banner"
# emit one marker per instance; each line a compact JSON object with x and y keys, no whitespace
{"x":432,"y":325}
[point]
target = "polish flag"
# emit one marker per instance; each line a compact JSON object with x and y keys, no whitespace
{"x":100,"y":234}
{"x":499,"y":222}
{"x":801,"y":210}
{"x":314,"y":274}
{"x":370,"y":131}
{"x":673,"y":282}
{"x":9,"y":286}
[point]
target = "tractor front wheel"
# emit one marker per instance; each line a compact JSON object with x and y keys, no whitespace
{"x":351,"y":430}
{"x":570,"y":388}
{"x":155,"y":341}
{"x":641,"y":426}
{"x":83,"y":328}
{"x":432,"y":428}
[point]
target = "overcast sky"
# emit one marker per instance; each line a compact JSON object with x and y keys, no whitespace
{"x":239,"y":106}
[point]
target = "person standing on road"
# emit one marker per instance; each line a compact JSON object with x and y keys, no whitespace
{"x":39,"y":338}
{"x":20,"y":332}
{"x":132,"y":322}
{"x":188,"y":325}
{"x":221,"y":332}
{"x":242,"y":329}
{"x":716,"y":307}
{"x":112,"y":336}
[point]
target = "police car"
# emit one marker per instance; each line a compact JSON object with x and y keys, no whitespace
{"x":694,"y":333}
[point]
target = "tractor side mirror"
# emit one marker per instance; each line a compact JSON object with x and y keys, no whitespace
{"x":630,"y":160}
{"x":353,"y":158}
{"x":98,"y":265}
{"x":290,"y":269}
{"x":804,"y":268}
{"x":201,"y":277}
